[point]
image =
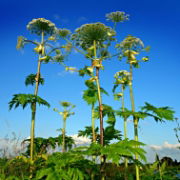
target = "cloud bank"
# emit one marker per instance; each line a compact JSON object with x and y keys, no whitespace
{"x":81,"y":140}
{"x":166,"y":149}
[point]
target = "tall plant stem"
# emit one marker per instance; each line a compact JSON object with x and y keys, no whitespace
{"x":100,"y":115}
{"x":93,"y":124}
{"x":93,"y":135}
{"x":64,"y":134}
{"x":100,"y":108}
{"x":99,"y":100}
{"x":33,"y":106}
{"x":125,"y":119}
{"x":125,"y":132}
{"x":135,"y":120}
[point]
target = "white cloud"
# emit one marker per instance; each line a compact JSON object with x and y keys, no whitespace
{"x":165,"y":145}
{"x":80,"y":140}
{"x":10,"y":147}
{"x":166,"y":149}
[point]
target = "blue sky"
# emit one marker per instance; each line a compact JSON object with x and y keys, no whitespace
{"x":157,"y":81}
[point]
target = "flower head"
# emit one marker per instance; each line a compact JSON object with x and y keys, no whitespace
{"x":88,"y":33}
{"x":37,"y":26}
{"x":131,"y":43}
{"x":117,"y":16}
{"x":122,"y":77}
{"x":63,"y":32}
{"x":20,"y":42}
{"x":65,"y":104}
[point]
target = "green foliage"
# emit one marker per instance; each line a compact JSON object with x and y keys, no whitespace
{"x":65,"y":166}
{"x":93,"y":150}
{"x":159,"y":171}
{"x":42,"y":145}
{"x":110,"y":133}
{"x":25,"y":99}
{"x":116,"y":151}
{"x":107,"y":112}
{"x":91,"y":94}
{"x":59,"y":58}
{"x":127,"y":113}
{"x":69,"y":141}
{"x":159,"y":114}
{"x":31,"y":80}
{"x":114,"y":88}
{"x":88,"y":132}
{"x":86,"y":71}
{"x":16,"y":169}
{"x":127,"y":148}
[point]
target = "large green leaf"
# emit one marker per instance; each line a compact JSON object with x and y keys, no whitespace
{"x":127,"y":113}
{"x":124,"y":148}
{"x":107,"y":112}
{"x":31,"y":80}
{"x":91,"y":94}
{"x":26,"y":99}
{"x":159,"y":113}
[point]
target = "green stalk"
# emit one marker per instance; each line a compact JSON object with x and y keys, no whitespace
{"x":94,"y":136}
{"x":33,"y":107}
{"x":125,"y":119}
{"x":99,"y":100}
{"x":125,"y":132}
{"x":63,"y":134}
{"x":134,"y":118}
{"x":100,"y":115}
{"x":93,"y":124}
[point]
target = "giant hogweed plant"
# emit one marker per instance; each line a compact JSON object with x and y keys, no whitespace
{"x":122,"y":79}
{"x":46,"y":52}
{"x":129,"y":48}
{"x":94,"y":39}
{"x":67,"y":107}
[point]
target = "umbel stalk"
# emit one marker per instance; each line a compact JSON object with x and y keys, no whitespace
{"x":33,"y":107}
{"x":125,"y":131}
{"x":99,"y":100}
{"x":63,"y":134}
{"x":135,"y":120}
{"x":100,"y":113}
{"x":93,"y":124}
